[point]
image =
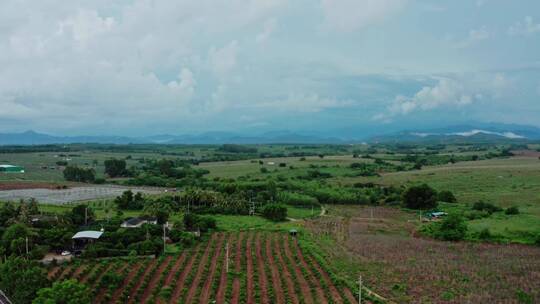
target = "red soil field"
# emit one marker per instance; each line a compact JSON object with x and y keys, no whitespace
{"x":284,"y":274}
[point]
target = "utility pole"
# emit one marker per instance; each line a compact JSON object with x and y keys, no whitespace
{"x":227,"y":257}
{"x":164,"y":242}
{"x":86,"y":216}
{"x":27,"y":246}
{"x":360,"y":289}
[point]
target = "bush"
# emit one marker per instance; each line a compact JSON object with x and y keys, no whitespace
{"x":77,"y":174}
{"x":452,"y":228}
{"x":264,"y":170}
{"x":512,"y":210}
{"x":297,"y":199}
{"x":193,"y":221}
{"x":446,"y":196}
{"x":482,"y":206}
{"x":420,"y":197}
{"x":275,"y":212}
{"x":115,"y":167}
{"x":485,"y":234}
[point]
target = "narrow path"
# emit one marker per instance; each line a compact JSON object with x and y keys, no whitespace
{"x":318,"y":288}
{"x":198,"y":276}
{"x":237,"y":267}
{"x":263,"y":283}
{"x":127,"y":279}
{"x":182,"y":279}
{"x":276,"y":280}
{"x":293,"y":297}
{"x":205,"y":293}
{"x":136,"y":287}
{"x":154,"y":280}
{"x":220,"y":296}
{"x":304,"y":286}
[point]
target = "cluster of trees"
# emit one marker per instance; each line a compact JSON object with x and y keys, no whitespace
{"x":79,"y":174}
{"x":166,"y":173}
{"x":231,"y":148}
{"x":115,"y":167}
{"x":128,"y":201}
{"x":274,"y":212}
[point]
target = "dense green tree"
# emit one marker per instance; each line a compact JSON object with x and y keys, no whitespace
{"x":20,"y":279}
{"x":452,"y":228}
{"x":82,"y":214}
{"x":128,"y":201}
{"x":115,"y":167}
{"x":14,"y":238}
{"x":275,"y":212}
{"x":77,"y":174}
{"x":446,"y":196}
{"x":65,"y":292}
{"x":8,"y":213}
{"x":420,"y":197}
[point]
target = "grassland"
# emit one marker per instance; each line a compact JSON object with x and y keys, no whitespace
{"x":380,"y":244}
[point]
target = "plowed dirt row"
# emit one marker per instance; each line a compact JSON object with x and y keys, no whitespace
{"x":265,"y":268}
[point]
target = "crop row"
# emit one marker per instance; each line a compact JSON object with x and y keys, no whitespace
{"x":247,"y":267}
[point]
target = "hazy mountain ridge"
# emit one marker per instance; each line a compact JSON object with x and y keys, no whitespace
{"x":483,"y":132}
{"x":465,"y":133}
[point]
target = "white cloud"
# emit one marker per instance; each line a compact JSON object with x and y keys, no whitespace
{"x":307,"y":103}
{"x":481,"y":3}
{"x":268,"y":29}
{"x":349,"y":15}
{"x":223,"y":60}
{"x":448,"y":92}
{"x":84,"y":26}
{"x":186,"y":82}
{"x":527,"y":27}
{"x":475,"y":36}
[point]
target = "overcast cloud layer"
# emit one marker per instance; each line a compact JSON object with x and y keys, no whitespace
{"x":142,"y":67}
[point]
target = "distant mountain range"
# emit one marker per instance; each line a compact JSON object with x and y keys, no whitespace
{"x":34,"y":138}
{"x":478,"y":132}
{"x":481,"y":132}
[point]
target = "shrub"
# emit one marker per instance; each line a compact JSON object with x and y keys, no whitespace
{"x":482,"y":206}
{"x":420,"y":197}
{"x":297,"y":199}
{"x":264,"y":170}
{"x":446,"y":196}
{"x":77,"y":174}
{"x":485,"y":234}
{"x":512,"y":210}
{"x":452,"y":228}
{"x":275,"y":212}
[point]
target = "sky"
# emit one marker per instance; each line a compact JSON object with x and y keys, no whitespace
{"x":146,"y":67}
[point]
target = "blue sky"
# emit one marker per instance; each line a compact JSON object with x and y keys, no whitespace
{"x":142,"y":67}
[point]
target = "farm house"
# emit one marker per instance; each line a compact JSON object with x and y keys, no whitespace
{"x":83,"y":238}
{"x":11,"y":169}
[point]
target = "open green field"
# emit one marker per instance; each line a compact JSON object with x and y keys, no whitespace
{"x":504,"y":182}
{"x":336,"y":164}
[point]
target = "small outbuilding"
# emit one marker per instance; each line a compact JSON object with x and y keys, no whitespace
{"x":11,"y":169}
{"x":82,"y":238}
{"x":137,"y":222}
{"x":437,"y":214}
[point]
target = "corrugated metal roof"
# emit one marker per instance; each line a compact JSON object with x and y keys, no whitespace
{"x":89,"y":234}
{"x":3,"y":298}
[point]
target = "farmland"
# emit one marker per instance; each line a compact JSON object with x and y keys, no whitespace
{"x":263,"y":268}
{"x":347,"y":204}
{"x":380,"y":244}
